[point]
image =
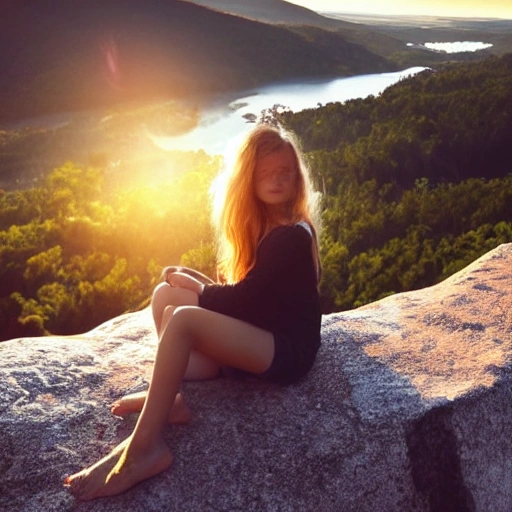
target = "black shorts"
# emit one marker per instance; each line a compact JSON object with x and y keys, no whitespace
{"x":288,"y":366}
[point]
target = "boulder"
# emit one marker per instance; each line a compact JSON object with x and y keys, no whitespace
{"x":408,"y":408}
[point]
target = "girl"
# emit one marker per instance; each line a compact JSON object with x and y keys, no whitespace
{"x":265,"y":320}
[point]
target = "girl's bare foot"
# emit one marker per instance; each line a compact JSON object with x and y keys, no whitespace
{"x":78,"y":482}
{"x":129,"y":404}
{"x":123,"y":468}
{"x":180,"y":411}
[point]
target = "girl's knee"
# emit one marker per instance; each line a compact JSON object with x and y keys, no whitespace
{"x":183,"y":318}
{"x":179,"y":326}
{"x":164,"y":294}
{"x":161,"y":289}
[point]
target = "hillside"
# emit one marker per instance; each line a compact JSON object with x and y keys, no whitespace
{"x":416,"y":184}
{"x":446,"y":125}
{"x":65,"y":55}
{"x":275,"y":12}
{"x":305,"y":21}
{"x":385,"y":35}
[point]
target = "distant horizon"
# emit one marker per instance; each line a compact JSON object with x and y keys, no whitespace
{"x":497,"y":9}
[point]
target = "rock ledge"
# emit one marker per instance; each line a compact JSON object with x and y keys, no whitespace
{"x":408,"y":408}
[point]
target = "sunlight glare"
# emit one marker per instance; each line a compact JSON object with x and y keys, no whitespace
{"x":111,"y":55}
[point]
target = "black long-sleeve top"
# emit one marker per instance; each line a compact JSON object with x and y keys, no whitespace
{"x":279,"y":294}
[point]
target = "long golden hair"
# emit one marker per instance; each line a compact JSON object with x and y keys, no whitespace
{"x":241,"y":218}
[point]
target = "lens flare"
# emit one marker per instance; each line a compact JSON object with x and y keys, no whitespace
{"x":111,"y":57}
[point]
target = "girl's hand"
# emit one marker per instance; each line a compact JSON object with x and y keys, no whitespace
{"x":182,"y":280}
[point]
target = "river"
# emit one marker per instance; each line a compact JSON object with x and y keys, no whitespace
{"x":223,"y":122}
{"x":126,"y":140}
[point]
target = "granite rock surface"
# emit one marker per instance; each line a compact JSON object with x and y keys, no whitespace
{"x":408,"y":408}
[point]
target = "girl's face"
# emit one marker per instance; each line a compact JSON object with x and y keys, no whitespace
{"x":275,"y":179}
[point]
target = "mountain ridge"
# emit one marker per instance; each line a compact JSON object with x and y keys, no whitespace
{"x":275,"y":12}
{"x":61,"y":56}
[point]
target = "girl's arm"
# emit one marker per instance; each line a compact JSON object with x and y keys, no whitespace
{"x":182,"y":280}
{"x":284,"y":256}
{"x":186,"y":270}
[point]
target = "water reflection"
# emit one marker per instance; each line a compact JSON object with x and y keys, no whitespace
{"x":454,"y":47}
{"x":458,"y":46}
{"x":223,"y":123}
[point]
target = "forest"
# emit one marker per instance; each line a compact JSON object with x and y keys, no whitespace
{"x":79,"y":249}
{"x":416,"y":184}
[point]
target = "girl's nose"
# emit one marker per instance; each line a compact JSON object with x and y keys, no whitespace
{"x":278,"y":177}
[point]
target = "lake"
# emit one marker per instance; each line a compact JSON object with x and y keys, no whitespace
{"x":453,"y":47}
{"x":223,"y":123}
{"x":132,"y":142}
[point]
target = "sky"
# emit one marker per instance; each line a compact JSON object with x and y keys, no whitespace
{"x":458,"y":8}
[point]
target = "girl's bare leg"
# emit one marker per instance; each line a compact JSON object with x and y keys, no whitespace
{"x":165,"y":300}
{"x":165,"y":295}
{"x":200,"y":367}
{"x":223,"y":339}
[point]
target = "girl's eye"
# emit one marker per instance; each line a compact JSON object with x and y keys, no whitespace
{"x":286,"y":173}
